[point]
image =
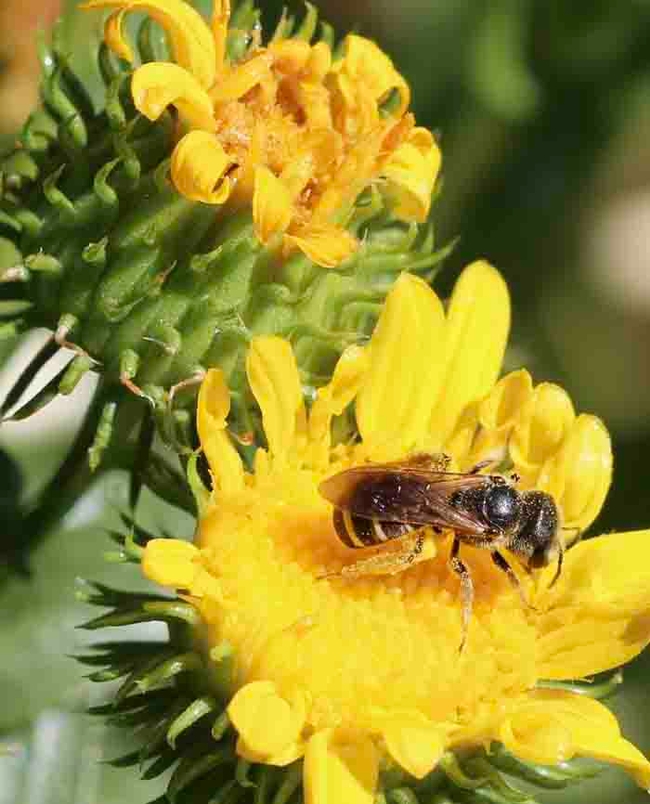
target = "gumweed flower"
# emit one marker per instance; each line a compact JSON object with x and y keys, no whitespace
{"x":344,"y":677}
{"x":201,"y":195}
{"x":294,"y":129}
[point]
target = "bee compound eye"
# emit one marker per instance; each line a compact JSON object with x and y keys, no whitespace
{"x":502,"y":507}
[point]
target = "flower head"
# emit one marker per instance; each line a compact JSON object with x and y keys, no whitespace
{"x":295,"y":129}
{"x":345,"y":671}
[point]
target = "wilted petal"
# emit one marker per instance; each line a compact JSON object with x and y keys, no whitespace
{"x":290,"y":56}
{"x":189,"y":36}
{"x":272,"y":207}
{"x":325,"y":244}
{"x":198,"y":167}
{"x":410,"y":175}
{"x":220,"y":20}
{"x":115,"y":39}
{"x":235,"y":83}
{"x":340,"y":766}
{"x":366,"y":64}
{"x":319,"y":63}
{"x":157,"y":85}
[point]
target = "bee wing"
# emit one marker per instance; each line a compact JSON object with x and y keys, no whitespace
{"x":414,"y":497}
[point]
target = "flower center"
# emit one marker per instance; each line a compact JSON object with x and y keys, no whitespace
{"x":362,"y":646}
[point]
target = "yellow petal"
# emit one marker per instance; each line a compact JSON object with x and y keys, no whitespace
{"x":220,"y":20}
{"x":340,"y":767}
{"x":502,"y":406}
{"x":551,"y":726}
{"x":157,"y":85}
{"x":612,"y":570}
{"x":394,"y":405}
{"x":325,"y":244}
{"x":198,"y":167}
{"x":319,"y":152}
{"x":319,"y":64}
{"x":272,"y":207}
{"x":459,"y":443}
{"x":289,"y":55}
{"x":542,"y":426}
{"x":190,"y":38}
{"x":268,"y":725}
{"x":498,"y":413}
{"x":413,"y":741}
{"x":598,"y":614}
{"x":314,"y":100}
{"x":275,"y":382}
{"x":410,"y":175}
{"x":591,"y":643}
{"x":476,"y":333}
{"x":114,"y":38}
{"x":212,"y":410}
{"x":354,"y":107}
{"x":366,"y":64}
{"x":241,"y":79}
{"x":357,"y":170}
{"x":170,"y":562}
{"x":333,"y":398}
{"x":579,"y":474}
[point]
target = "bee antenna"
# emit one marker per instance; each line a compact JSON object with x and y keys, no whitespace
{"x":515,"y":477}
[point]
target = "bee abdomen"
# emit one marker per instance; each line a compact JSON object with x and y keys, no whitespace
{"x":357,"y":531}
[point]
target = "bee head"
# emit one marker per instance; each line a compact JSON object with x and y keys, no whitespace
{"x":536,"y":541}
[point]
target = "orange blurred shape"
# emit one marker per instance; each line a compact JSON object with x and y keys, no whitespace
{"x":19,"y":22}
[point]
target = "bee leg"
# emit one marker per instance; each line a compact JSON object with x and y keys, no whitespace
{"x":410,"y":549}
{"x":466,"y":589}
{"x":503,"y":565}
{"x":480,"y":465}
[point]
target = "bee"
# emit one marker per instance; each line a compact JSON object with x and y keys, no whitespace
{"x":379,"y":503}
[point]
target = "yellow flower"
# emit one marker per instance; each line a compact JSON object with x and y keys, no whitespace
{"x":288,"y":128}
{"x":345,"y":671}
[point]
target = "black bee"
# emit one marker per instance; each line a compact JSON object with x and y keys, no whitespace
{"x":378,"y":503}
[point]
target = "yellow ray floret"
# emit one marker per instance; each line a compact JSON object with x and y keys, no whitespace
{"x":156,"y":86}
{"x":301,"y":133}
{"x":199,"y":166}
{"x":345,"y":671}
{"x":190,"y":38}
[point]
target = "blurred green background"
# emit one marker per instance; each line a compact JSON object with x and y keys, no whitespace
{"x":543,"y":111}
